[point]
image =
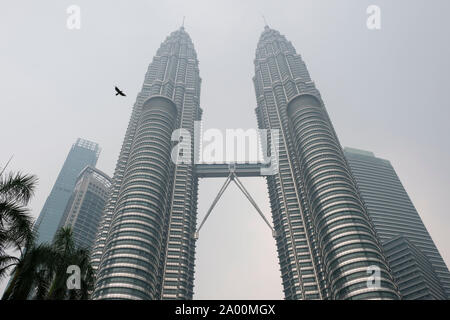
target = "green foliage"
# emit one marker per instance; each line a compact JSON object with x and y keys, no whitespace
{"x":15,"y":226}
{"x":41,"y":273}
{"x":16,"y":222}
{"x":40,"y":270}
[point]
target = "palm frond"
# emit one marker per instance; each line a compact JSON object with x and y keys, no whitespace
{"x":41,"y":272}
{"x":16,"y":224}
{"x":63,"y":241}
{"x":27,"y":274}
{"x":43,"y":281}
{"x":17,"y":187}
{"x":6,"y":263}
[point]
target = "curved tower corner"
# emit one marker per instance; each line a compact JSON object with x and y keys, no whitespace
{"x":326,"y":242}
{"x":144,"y":247}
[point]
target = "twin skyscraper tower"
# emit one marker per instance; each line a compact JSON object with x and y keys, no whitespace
{"x":327,"y":244}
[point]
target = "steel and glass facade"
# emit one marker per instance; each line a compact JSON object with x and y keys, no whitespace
{"x":145,"y":246}
{"x":393,"y":214}
{"x":83,"y":153}
{"x":146,"y":241}
{"x":85,"y":207}
{"x":412,"y":271}
{"x":326,"y":242}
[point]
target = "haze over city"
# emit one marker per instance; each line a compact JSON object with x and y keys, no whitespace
{"x":385,"y":91}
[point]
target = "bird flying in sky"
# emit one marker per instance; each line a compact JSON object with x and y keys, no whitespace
{"x":119,"y":92}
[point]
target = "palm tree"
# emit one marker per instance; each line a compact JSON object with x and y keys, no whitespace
{"x":66,"y":254}
{"x":16,"y":222}
{"x":41,"y":272}
{"x":32,"y":274}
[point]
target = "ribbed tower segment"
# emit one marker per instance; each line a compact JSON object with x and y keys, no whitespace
{"x":399,"y":226}
{"x":145,"y":248}
{"x":326,"y":241}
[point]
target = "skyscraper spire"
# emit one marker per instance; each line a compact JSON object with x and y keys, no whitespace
{"x":265,"y":22}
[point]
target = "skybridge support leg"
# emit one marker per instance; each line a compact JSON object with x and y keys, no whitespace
{"x":221,"y":191}
{"x":233,"y":176}
{"x":253,"y":202}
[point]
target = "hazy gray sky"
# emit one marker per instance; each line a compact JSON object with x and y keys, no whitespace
{"x":386,"y":91}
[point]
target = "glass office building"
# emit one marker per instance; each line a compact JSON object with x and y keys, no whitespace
{"x":326,"y":242}
{"x":146,"y":241}
{"x":393,"y":214}
{"x":412,"y":271}
{"x":85,"y":207}
{"x":145,"y":246}
{"x":83,"y":153}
